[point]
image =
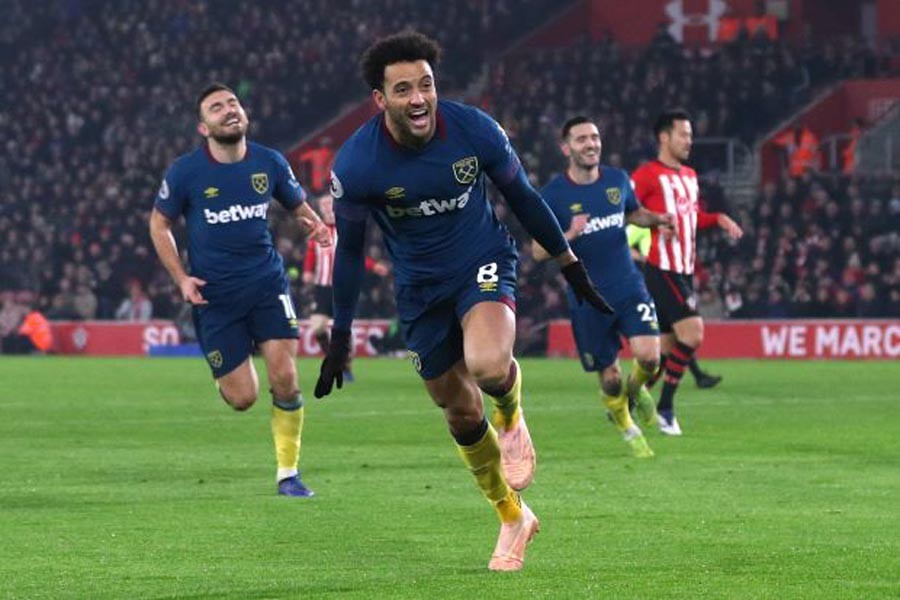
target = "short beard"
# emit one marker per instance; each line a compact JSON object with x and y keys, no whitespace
{"x":583,"y":165}
{"x":408,"y":137}
{"x":228,"y":140}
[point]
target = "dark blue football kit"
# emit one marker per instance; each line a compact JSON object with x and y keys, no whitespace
{"x":225,"y":207}
{"x":603,"y":248}
{"x":448,"y":248}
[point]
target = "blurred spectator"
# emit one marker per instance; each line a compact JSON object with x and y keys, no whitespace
{"x":32,"y":335}
{"x":801,"y":146}
{"x":136,"y":307}
{"x":710,"y":304}
{"x":849,"y":158}
{"x":84,"y":302}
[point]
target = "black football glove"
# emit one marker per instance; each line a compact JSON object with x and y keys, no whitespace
{"x":584,"y":288}
{"x":335,"y":363}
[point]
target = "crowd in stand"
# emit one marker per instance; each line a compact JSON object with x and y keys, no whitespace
{"x":814,"y":247}
{"x":100,"y":102}
{"x":739,"y":91}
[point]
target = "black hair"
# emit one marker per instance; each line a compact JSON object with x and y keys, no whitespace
{"x":666,"y":121}
{"x":568,"y":125}
{"x":212,"y":88}
{"x":408,"y":46}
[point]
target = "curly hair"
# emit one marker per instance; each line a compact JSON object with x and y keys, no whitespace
{"x":407,"y":46}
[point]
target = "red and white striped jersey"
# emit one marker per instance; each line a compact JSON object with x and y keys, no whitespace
{"x":662,"y":189}
{"x":320,"y":260}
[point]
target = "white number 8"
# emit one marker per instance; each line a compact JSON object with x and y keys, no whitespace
{"x":487,"y":273}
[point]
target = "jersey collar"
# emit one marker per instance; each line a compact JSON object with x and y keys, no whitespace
{"x":213,"y":160}
{"x":665,"y":166}
{"x":576,"y":184}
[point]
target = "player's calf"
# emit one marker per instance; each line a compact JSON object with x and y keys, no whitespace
{"x":611,"y":380}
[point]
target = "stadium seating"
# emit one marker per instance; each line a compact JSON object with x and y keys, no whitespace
{"x":100,"y":106}
{"x":101,"y":102}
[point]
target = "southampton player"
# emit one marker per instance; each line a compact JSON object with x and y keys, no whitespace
{"x":666,"y":185}
{"x":594,"y":202}
{"x":237,"y":283}
{"x":639,"y":239}
{"x":418,"y":169}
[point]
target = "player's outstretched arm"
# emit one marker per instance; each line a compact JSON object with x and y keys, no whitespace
{"x":665,"y":222}
{"x":349,"y":270}
{"x":167,"y":250}
{"x":733,"y":230}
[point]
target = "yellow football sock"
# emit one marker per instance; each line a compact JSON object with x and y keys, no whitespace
{"x":287,"y":426}
{"x":483,"y":460}
{"x":506,"y":407}
{"x":638,"y":376}
{"x":618,"y":408}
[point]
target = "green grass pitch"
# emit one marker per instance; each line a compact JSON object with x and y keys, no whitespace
{"x":129,"y":478}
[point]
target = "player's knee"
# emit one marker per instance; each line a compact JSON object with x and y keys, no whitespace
{"x":239,"y":400}
{"x":490,"y":371}
{"x":693,"y":336}
{"x":648,"y":362}
{"x":611,"y":384}
{"x":693,"y":339}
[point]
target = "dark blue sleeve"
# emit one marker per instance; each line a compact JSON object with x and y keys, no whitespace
{"x":349,"y":269}
{"x":499,"y":160}
{"x":171,"y":199}
{"x":534,"y":214}
{"x":287,"y":190}
{"x":564,"y":217}
{"x":348,"y":185}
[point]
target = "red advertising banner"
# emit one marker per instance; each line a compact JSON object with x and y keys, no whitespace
{"x":820,"y":339}
{"x":118,"y":338}
{"x":363,"y":331}
{"x":112,"y":338}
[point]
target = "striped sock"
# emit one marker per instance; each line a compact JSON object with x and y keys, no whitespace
{"x":676,"y":363}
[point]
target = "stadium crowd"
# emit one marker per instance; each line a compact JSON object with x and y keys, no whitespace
{"x":102,"y":105}
{"x":815,"y":247}
{"x":739,"y":91}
